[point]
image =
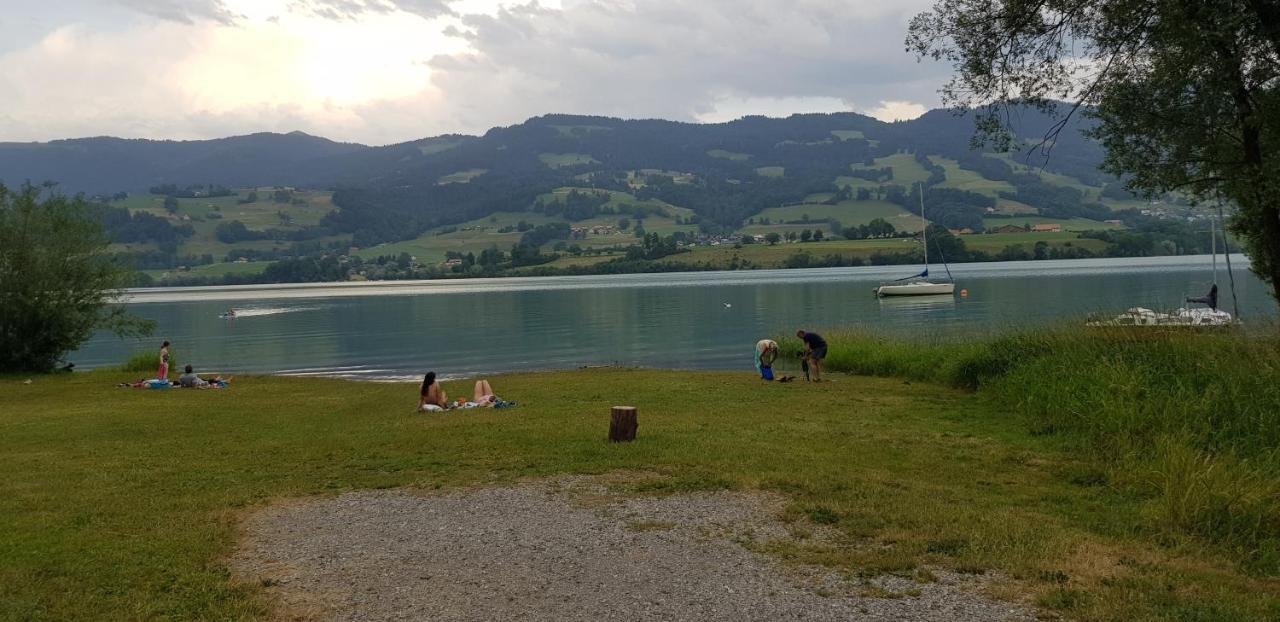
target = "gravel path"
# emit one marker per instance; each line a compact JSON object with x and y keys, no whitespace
{"x":563,"y":550}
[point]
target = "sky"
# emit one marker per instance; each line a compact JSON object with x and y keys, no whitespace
{"x":387,"y":71}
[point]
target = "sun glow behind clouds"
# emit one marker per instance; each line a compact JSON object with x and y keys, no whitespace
{"x":309,"y":62}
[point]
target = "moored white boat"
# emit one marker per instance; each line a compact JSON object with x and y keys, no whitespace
{"x":920,"y":284}
{"x":917,"y":288}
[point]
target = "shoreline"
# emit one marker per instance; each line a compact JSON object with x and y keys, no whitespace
{"x":342,"y":289}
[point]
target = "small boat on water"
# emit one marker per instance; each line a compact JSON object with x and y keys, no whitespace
{"x":1208,"y":316}
{"x":920,"y":284}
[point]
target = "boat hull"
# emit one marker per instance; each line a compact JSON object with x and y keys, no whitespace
{"x":916,"y":289}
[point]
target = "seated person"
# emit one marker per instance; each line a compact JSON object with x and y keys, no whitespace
{"x":431,"y":398}
{"x":189,"y":380}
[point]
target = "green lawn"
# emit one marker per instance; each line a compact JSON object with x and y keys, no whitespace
{"x":729,"y":155}
{"x":1068,"y":224}
{"x":849,"y":213}
{"x":558,"y":160}
{"x":771,"y":171}
{"x":1023,"y":165}
{"x":205,"y":214}
{"x":994,"y":243}
{"x":470,"y":237}
{"x":575,"y":130}
{"x":476,"y":235}
{"x":215,"y":269}
{"x":1117,"y":204}
{"x":906,"y":172}
{"x":437,"y":145}
{"x":124,"y":504}
{"x":461,"y":177}
{"x":963,"y":179}
{"x":1009,"y":206}
{"x":776,"y":256}
{"x":847,"y":134}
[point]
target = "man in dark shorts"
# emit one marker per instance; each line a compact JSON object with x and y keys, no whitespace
{"x":815,"y":349}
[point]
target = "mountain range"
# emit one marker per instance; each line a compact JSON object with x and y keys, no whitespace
{"x":724,"y":172}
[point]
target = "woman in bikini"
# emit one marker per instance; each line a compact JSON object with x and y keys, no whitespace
{"x":431,"y":397}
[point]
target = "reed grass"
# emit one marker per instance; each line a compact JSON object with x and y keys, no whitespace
{"x":1191,"y":420}
{"x":147,"y":362}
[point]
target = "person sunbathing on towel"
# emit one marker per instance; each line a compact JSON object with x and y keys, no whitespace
{"x":484,"y":395}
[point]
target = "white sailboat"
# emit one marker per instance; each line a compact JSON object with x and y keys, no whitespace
{"x":920,"y":284}
{"x":1186,"y":317}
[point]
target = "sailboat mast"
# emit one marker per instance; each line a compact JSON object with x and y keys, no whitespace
{"x":924,"y":233}
{"x":1213,"y":232}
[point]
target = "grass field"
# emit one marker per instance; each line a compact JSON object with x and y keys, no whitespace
{"x":476,"y":235}
{"x":1182,"y":423}
{"x":214,"y":269}
{"x":962,"y":179}
{"x":1117,"y":204}
{"x":849,"y":213}
{"x":130,"y":499}
{"x":461,"y":177}
{"x":437,"y":145}
{"x":558,"y":160}
{"x":906,"y":172}
{"x":1009,"y":206}
{"x":1068,"y":224}
{"x":636,"y":178}
{"x":994,"y":243}
{"x":847,"y":134}
{"x":205,"y":214}
{"x":771,"y":171}
{"x":1021,"y":164}
{"x":471,"y":237}
{"x":574,"y":130}
{"x":729,"y":155}
{"x":776,"y":256}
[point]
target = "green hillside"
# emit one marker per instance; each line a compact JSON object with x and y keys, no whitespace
{"x":574,"y":185}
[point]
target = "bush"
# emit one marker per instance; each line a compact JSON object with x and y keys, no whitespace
{"x":58,"y":279}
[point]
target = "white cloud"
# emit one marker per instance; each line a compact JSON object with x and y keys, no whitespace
{"x":897,"y":110}
{"x":182,"y":11}
{"x":388,"y":70}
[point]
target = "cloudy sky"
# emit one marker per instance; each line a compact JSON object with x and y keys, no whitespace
{"x":384,"y":71}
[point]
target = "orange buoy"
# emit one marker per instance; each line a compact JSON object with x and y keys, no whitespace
{"x":964,"y":293}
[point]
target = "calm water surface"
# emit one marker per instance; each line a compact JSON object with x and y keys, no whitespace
{"x":706,"y":320}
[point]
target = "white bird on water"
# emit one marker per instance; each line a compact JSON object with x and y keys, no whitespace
{"x":726,"y":305}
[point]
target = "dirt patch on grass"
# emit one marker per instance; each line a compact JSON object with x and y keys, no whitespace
{"x":531,"y":552}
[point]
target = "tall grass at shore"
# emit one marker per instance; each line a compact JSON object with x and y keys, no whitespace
{"x":1189,"y":420}
{"x":147,"y":361}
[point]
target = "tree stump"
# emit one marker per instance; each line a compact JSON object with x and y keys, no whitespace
{"x":622,"y":427}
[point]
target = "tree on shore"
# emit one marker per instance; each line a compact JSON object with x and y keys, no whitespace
{"x":57,"y":280}
{"x":1184,"y":92}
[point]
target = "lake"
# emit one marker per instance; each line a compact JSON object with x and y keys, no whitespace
{"x":705,"y":320}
